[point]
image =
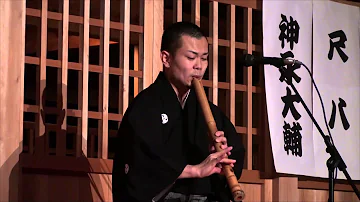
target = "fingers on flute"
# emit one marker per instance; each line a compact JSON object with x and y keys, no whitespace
{"x":223,"y":146}
{"x":227,"y":149}
{"x":221,"y":139}
{"x":229,"y":153}
{"x":212,"y":148}
{"x":219,"y":133}
{"x":219,"y":165}
{"x":217,"y":170}
{"x":222,"y":154}
{"x":228,"y":161}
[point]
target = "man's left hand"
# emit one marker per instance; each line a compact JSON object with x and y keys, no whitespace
{"x":222,"y":139}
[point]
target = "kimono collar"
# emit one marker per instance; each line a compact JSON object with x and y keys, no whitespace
{"x":184,"y":102}
{"x":167,"y":91}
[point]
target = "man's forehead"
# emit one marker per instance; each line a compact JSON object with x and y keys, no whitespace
{"x":193,"y":39}
{"x":193,"y":43}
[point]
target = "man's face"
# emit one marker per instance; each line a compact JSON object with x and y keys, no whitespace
{"x":190,"y":61}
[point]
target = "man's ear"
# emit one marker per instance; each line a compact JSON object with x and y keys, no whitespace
{"x":165,"y":58}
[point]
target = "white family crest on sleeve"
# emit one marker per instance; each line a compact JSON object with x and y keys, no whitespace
{"x":164,"y":118}
{"x":126,"y":168}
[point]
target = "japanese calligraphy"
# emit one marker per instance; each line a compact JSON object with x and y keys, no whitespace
{"x":292,"y":138}
{"x":289,"y":100}
{"x":344,"y":120}
{"x":338,"y":45}
{"x":289,"y":30}
{"x":289,"y":72}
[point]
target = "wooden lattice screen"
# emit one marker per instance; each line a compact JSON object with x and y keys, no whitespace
{"x":86,"y":60}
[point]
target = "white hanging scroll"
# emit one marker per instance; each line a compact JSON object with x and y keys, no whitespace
{"x":336,"y":69}
{"x":335,"y":39}
{"x":287,"y":28}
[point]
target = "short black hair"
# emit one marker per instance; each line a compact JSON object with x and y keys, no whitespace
{"x":171,"y":38}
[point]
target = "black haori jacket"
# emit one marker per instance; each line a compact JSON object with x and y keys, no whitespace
{"x":157,"y":139}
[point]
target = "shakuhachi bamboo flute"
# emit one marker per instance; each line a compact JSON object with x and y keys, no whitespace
{"x":234,"y":186}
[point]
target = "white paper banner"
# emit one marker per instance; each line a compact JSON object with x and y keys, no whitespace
{"x":287,"y":27}
{"x":336,"y":67}
{"x":335,"y":64}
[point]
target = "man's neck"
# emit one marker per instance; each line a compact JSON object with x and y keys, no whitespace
{"x":180,"y":93}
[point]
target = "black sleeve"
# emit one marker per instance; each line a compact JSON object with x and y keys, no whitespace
{"x":152,"y":165}
{"x":118,"y":177}
{"x":238,"y":153}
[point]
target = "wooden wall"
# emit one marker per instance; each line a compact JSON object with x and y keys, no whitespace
{"x":12,"y":45}
{"x":85,"y":61}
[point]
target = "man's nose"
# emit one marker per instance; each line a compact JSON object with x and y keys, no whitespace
{"x":197,"y":64}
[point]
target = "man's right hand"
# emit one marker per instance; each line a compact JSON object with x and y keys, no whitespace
{"x":212,"y":164}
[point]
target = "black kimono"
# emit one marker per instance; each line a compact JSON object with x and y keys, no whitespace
{"x":157,"y":138}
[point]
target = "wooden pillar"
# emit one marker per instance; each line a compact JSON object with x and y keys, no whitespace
{"x":152,"y":18}
{"x":12,"y":59}
{"x":267,"y":190}
{"x":146,"y":45}
{"x":158,"y":23}
{"x":285,"y":189}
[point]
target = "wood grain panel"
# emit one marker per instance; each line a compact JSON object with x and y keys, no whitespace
{"x":213,"y":63}
{"x":252,"y":192}
{"x":103,"y":138}
{"x":85,"y":84}
{"x":231,"y":55}
{"x":255,"y":4}
{"x":78,"y":66}
{"x":177,"y":10}
{"x":248,"y":98}
{"x":195,"y":12}
{"x":40,"y":130}
{"x":147,"y":16}
{"x":125,"y":19}
{"x":80,"y":20}
{"x":323,"y":195}
{"x":60,"y":136}
{"x":12,"y":46}
{"x":285,"y":189}
{"x":158,"y":27}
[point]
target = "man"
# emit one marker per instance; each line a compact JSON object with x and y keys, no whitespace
{"x":163,"y":145}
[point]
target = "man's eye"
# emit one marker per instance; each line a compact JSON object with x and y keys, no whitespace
{"x":204,"y":59}
{"x":190,"y":58}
